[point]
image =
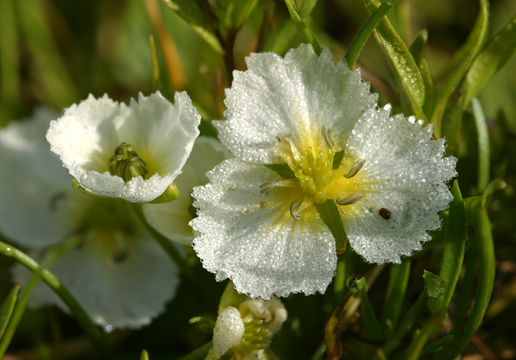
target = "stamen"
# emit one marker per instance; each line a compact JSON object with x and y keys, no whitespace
{"x":351,"y":199}
{"x":266,"y":188}
{"x":355,"y":168}
{"x":126,"y":163}
{"x":327,"y":138}
{"x":294,"y":207}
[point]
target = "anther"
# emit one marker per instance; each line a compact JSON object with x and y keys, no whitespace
{"x":294,"y":207}
{"x":327,"y":138}
{"x":350,"y":199}
{"x":126,"y":163}
{"x":266,"y":188}
{"x":355,"y":168}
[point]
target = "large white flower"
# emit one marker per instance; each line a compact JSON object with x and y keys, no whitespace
{"x":118,"y":273}
{"x":134,"y":151}
{"x":171,"y":218}
{"x":315,"y":123}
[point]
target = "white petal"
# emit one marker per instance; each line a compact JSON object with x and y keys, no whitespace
{"x":406,"y":174}
{"x":37,"y":201}
{"x":290,"y":96}
{"x":171,"y":218}
{"x":228,"y":332}
{"x":117,"y":294}
{"x":161,"y":133}
{"x":260,"y":247}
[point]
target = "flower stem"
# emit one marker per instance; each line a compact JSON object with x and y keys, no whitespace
{"x":165,"y":243}
{"x":53,"y":282}
{"x":365,"y":31}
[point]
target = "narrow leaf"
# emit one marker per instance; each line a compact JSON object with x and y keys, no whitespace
{"x":302,"y":25}
{"x":6,"y":310}
{"x":489,"y":61}
{"x":402,"y":60}
{"x":370,"y":322}
{"x":365,"y":31}
{"x":396,"y":288}
{"x":190,"y":12}
{"x":144,"y":355}
{"x":483,"y":145}
{"x":460,"y":64}
{"x":453,"y":255}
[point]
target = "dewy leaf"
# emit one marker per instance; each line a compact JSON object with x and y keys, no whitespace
{"x":460,"y":64}
{"x":489,"y":61}
{"x":7,"y":308}
{"x":190,"y":12}
{"x":402,"y":60}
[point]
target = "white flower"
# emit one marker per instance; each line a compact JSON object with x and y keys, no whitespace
{"x":300,"y":113}
{"x":118,"y":273}
{"x":246,"y":332}
{"x":134,"y":151}
{"x":171,"y":218}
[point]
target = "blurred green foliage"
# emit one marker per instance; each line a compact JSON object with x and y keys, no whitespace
{"x":56,"y":52}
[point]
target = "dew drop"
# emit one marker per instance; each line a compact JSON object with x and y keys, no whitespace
{"x":108,"y":328}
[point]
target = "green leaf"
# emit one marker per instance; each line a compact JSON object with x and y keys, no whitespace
{"x":489,"y":61}
{"x":144,"y":355}
{"x":7,"y":308}
{"x":459,"y":65}
{"x":190,"y":12}
{"x":418,"y":45}
{"x":370,"y":322}
{"x":305,"y":7}
{"x":365,"y":31}
{"x":485,"y":276}
{"x":402,"y":60}
{"x":483,"y":145}
{"x":329,"y":213}
{"x":396,"y":289}
{"x":453,"y":255}
{"x":232,"y":14}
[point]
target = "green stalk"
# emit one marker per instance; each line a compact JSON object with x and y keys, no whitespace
{"x":396,"y":289}
{"x":483,"y":145}
{"x":302,"y":26}
{"x":53,"y":282}
{"x":370,"y":322}
{"x":164,"y":242}
{"x":365,"y":31}
{"x":404,"y":327}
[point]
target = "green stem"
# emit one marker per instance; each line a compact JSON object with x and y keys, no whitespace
{"x":404,"y":327}
{"x":396,"y":289}
{"x":319,"y":353}
{"x":483,"y":145}
{"x":164,"y":242}
{"x":486,"y":275}
{"x":199,"y":353}
{"x":302,"y":26}
{"x":430,"y":327}
{"x":365,"y":31}
{"x":370,"y":322}
{"x":53,"y":282}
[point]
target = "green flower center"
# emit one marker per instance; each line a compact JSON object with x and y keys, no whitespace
{"x":126,"y":163}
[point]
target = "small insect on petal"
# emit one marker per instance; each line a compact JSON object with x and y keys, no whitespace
{"x":355,"y":168}
{"x":350,"y":199}
{"x":386,"y":214}
{"x":294,"y":207}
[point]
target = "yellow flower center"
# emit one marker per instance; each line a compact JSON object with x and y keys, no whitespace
{"x":321,"y":171}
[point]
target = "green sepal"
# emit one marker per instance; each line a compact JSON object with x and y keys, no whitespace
{"x":171,"y":193}
{"x":6,"y":310}
{"x":230,"y":297}
{"x":329,"y":213}
{"x":204,"y":324}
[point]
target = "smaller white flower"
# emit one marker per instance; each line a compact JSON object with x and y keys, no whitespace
{"x":246,"y":332}
{"x":171,"y":218}
{"x":133,"y":152}
{"x":118,"y":273}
